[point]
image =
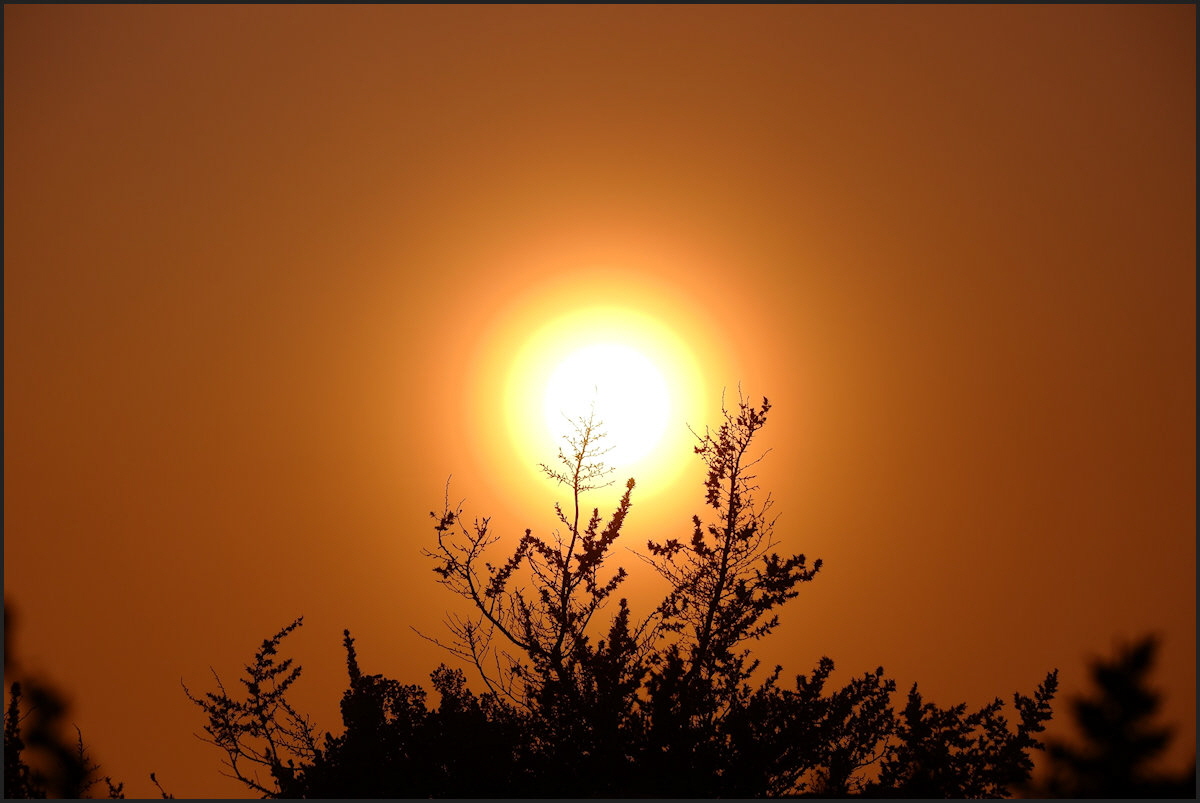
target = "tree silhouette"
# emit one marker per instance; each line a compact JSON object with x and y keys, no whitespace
{"x":263,"y":731}
{"x":571,"y":688}
{"x":544,"y":624}
{"x":581,"y":698}
{"x":1120,"y":740}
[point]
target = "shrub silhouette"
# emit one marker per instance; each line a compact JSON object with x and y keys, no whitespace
{"x":581,"y":698}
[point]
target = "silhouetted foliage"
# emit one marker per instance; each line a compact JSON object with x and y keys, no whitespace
{"x":263,"y":731}
{"x":19,"y":781}
{"x":581,"y":698}
{"x":1119,"y":740}
{"x":948,"y":752}
{"x":546,"y":622}
{"x":38,"y":761}
{"x":163,"y":793}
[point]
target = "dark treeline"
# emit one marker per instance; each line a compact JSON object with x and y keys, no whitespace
{"x":579,"y":697}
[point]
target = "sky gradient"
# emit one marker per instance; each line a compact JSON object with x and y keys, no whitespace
{"x":266,"y":270}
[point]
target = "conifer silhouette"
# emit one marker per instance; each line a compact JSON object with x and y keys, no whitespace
{"x":1119,"y":738}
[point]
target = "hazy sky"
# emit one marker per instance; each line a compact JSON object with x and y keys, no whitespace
{"x":266,"y":271}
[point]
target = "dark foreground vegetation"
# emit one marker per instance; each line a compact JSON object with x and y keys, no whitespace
{"x":582,"y":698}
{"x":579,"y":697}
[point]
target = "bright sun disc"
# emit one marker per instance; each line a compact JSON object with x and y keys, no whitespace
{"x":640,"y":375}
{"x":623,"y":388}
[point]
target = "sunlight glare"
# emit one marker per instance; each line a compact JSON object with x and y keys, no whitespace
{"x":629,"y":394}
{"x":642,"y":377}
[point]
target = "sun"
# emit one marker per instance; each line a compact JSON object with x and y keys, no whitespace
{"x":636,"y":374}
{"x":621,"y":387}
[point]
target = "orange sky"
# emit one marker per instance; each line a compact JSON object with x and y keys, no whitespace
{"x":264,"y":266}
